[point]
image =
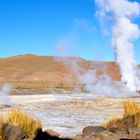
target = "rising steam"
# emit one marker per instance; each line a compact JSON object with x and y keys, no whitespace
{"x":4,"y":95}
{"x":124,"y":31}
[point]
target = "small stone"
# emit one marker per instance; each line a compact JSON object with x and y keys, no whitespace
{"x":93,"y":129}
{"x":11,"y":132}
{"x":134,"y":132}
{"x":98,"y":137}
{"x":52,"y":133}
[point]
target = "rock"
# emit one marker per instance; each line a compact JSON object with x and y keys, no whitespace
{"x":100,"y":133}
{"x":93,"y":130}
{"x":99,"y":137}
{"x":3,"y":106}
{"x":93,"y":133}
{"x":12,"y":132}
{"x":78,"y":137}
{"x":96,"y":137}
{"x":135,"y":132}
{"x":45,"y":136}
{"x":52,"y":133}
{"x":92,"y":137}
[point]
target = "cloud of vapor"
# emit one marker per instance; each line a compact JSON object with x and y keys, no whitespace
{"x":105,"y":86}
{"x":121,"y":14}
{"x":83,"y":24}
{"x":4,"y":95}
{"x":70,"y":44}
{"x":65,"y":45}
{"x":87,"y":80}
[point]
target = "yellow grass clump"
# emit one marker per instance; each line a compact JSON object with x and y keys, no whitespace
{"x":24,"y":121}
{"x":1,"y":121}
{"x":130,"y":119}
{"x":130,"y":108}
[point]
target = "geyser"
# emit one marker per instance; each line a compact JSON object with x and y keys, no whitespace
{"x":4,"y":96}
{"x":121,"y":14}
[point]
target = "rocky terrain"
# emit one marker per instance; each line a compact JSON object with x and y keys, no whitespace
{"x":100,"y":133}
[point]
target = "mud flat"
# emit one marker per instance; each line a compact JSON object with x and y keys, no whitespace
{"x":69,"y":113}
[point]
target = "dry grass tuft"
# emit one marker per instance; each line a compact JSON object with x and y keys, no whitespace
{"x":2,"y":120}
{"x":113,"y":122}
{"x":130,"y":119}
{"x":24,"y":121}
{"x":131,"y":108}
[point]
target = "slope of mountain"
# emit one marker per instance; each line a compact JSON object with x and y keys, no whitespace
{"x":51,"y":70}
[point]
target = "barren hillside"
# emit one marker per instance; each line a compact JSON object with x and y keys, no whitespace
{"x":52,"y":71}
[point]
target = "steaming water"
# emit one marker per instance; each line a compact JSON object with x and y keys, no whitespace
{"x":69,"y":113}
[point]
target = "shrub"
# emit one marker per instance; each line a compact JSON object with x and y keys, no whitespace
{"x":1,"y":122}
{"x":130,"y":119}
{"x":24,"y":121}
{"x":130,"y":108}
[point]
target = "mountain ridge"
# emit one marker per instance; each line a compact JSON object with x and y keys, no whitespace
{"x":50,"y":69}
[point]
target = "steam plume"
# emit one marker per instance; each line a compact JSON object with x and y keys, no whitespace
{"x":124,"y":31}
{"x":4,"y":95}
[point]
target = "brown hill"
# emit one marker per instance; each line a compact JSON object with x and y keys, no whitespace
{"x":51,"y":70}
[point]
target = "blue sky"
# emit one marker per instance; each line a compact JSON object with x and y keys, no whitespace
{"x":54,"y":27}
